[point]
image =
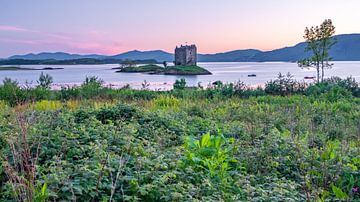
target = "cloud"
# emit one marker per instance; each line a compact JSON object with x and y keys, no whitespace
{"x":13,"y":29}
{"x":19,"y":41}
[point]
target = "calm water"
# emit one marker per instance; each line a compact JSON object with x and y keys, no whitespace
{"x":226,"y":72}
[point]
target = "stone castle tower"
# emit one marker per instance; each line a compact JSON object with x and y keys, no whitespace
{"x":186,"y":55}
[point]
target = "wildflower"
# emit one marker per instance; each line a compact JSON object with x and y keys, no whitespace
{"x":355,"y":189}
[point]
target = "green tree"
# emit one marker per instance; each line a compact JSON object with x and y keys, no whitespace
{"x":319,"y":42}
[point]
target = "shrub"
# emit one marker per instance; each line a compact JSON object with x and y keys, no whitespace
{"x":334,"y":84}
{"x":45,"y":81}
{"x":166,"y":101}
{"x":46,"y":105}
{"x":179,"y":84}
{"x":284,"y":85}
{"x":91,"y":88}
{"x":118,"y":112}
{"x":211,"y":154}
{"x":336,"y":93}
{"x":11,"y":92}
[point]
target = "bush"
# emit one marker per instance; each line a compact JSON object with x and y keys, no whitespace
{"x":92,"y":87}
{"x":327,"y":85}
{"x":46,"y":105}
{"x":45,"y":81}
{"x":11,"y":92}
{"x":179,"y":84}
{"x":284,"y":85}
{"x":166,"y":101}
{"x":116,"y":113}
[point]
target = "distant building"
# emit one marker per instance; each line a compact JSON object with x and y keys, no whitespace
{"x":186,"y":55}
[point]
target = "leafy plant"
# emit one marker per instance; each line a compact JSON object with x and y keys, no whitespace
{"x":211,"y":154}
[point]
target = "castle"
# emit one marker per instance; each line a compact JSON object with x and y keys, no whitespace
{"x":186,"y":55}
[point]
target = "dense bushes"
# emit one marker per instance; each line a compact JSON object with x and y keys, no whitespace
{"x":268,"y":148}
{"x":333,"y":88}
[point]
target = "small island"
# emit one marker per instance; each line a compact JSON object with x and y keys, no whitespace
{"x":185,"y":64}
{"x":171,"y":70}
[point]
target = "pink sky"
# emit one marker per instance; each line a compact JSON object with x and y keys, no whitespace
{"x":113,"y":26}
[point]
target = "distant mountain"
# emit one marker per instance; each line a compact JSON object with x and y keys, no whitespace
{"x":81,"y":61}
{"x":55,"y":56}
{"x":346,"y":48}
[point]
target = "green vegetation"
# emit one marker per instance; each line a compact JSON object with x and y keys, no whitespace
{"x":223,"y":143}
{"x":169,"y":70}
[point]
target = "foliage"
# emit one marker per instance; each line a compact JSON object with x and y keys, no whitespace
{"x":92,"y":88}
{"x":208,"y":154}
{"x":223,"y":143}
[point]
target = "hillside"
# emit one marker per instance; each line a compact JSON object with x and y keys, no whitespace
{"x":347,"y":48}
{"x":232,"y":56}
